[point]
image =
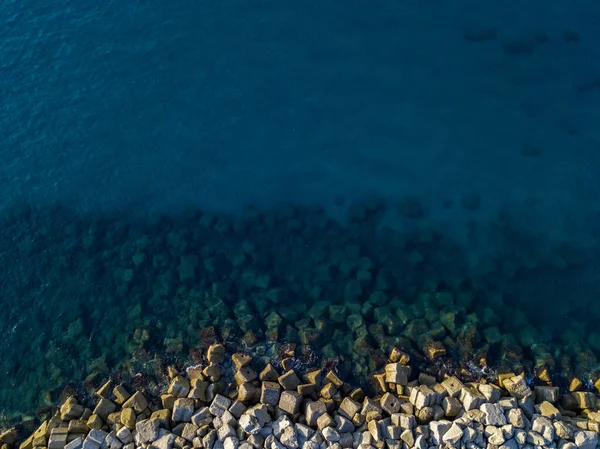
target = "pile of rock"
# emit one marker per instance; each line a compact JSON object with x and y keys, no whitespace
{"x":287,"y":411}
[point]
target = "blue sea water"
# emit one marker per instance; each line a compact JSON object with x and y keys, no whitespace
{"x":471,"y":111}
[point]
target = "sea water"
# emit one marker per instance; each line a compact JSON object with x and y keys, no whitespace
{"x":344,"y":176}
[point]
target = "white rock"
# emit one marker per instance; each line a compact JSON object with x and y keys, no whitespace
{"x":508,"y":403}
{"x":231,"y":443}
{"x":146,"y":430}
{"x":343,"y":424}
{"x":164,"y":442}
{"x":219,"y":404}
{"x":257,"y":440}
{"x":544,"y":427}
{"x":527,"y":404}
{"x":124,"y":434}
{"x":183,"y":409}
{"x":77,"y":443}
{"x":249,"y":424}
{"x":469,"y":434}
{"x":208,"y":441}
{"x":261,"y":413}
{"x":520,"y":436}
{"x":438,"y":429}
{"x":420,"y":442}
{"x":189,"y":431}
{"x":228,"y":418}
{"x":561,"y":430}
{"x":362,"y":438}
{"x":375,"y":430}
{"x":277,"y":445}
{"x":494,"y":414}
{"x":586,"y":439}
{"x":517,"y":387}
{"x":510,"y":444}
{"x":453,"y":435}
{"x":289,"y":438}
{"x":303,"y":431}
{"x":490,"y":392}
{"x":535,"y":438}
{"x":471,"y":398}
{"x":566,"y":445}
{"x":330,"y":434}
{"x":310,"y":445}
{"x":517,"y":418}
{"x":280,"y":424}
{"x":225,"y":431}
{"x":497,"y":438}
{"x":202,"y":417}
{"x":404,"y":420}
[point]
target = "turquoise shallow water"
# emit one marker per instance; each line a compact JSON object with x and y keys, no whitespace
{"x":469,"y":131}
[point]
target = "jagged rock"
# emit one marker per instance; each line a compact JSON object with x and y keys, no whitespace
{"x":453,"y":435}
{"x":290,"y":401}
{"x":438,"y":430}
{"x":147,"y":430}
{"x":548,"y":410}
{"x":183,"y":410}
{"x":349,"y":408}
{"x":269,"y":393}
{"x":397,"y":373}
{"x":451,"y":407}
{"x":471,"y":398}
{"x":215,"y":353}
{"x":586,"y":439}
{"x":494,"y":414}
{"x":137,"y":402}
{"x":453,"y":386}
{"x":517,"y":418}
{"x":390,"y":403}
{"x":517,"y":387}
{"x":545,"y":393}
{"x":179,"y":387}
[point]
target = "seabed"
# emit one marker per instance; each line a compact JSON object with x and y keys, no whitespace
{"x":398,"y":315}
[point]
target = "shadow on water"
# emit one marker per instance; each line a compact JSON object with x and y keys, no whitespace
{"x":83,"y":295}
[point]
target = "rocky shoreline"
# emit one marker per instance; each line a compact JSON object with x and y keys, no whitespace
{"x":284,"y":409}
{"x":346,"y":290}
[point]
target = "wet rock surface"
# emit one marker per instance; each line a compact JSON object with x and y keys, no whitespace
{"x":403,"y":414}
{"x":153,"y":294}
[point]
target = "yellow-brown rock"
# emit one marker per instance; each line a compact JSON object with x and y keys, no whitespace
{"x":172,"y":372}
{"x":104,"y":390}
{"x":78,"y":426}
{"x":120,"y":394}
{"x":9,"y":436}
{"x":128,"y":418}
{"x":380,"y":382}
{"x":435,"y":349}
{"x":138,"y":402}
{"x":71,"y":410}
{"x":399,"y":356}
{"x":240,"y":360}
{"x":163,"y":416}
{"x":94,"y":422}
{"x":215,"y":353}
{"x":27,"y":444}
{"x":575,"y":384}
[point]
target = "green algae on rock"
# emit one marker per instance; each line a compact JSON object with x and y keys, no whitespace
{"x":342,"y":291}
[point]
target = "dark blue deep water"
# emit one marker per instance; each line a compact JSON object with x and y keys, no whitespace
{"x":400,"y":167}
